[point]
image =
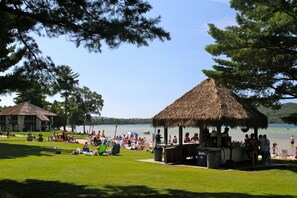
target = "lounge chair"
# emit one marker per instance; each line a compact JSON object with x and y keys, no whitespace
{"x":115,"y":149}
{"x":102,"y":149}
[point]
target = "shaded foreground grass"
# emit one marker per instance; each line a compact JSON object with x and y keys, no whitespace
{"x":32,"y":169}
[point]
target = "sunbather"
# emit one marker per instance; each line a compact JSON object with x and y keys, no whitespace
{"x":86,"y":147}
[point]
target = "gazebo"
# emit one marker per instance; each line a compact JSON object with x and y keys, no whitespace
{"x":209,"y":104}
{"x":26,"y":117}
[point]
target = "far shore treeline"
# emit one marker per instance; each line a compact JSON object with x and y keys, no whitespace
{"x":113,"y":121}
{"x":274,"y":116}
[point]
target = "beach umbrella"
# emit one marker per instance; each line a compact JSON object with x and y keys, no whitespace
{"x":133,"y":133}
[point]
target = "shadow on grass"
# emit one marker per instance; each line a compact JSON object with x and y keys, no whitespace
{"x":37,"y":188}
{"x":290,"y":165}
{"x":10,"y":151}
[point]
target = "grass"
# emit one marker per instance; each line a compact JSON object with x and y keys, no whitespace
{"x":32,"y":169}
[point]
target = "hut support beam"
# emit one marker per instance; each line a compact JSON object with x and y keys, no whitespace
{"x":256,"y":133}
{"x":201,"y":137}
{"x":219,"y":136}
{"x":166,"y":135}
{"x":180,"y":135}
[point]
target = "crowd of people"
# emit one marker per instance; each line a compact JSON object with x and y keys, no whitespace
{"x":187,"y":138}
{"x":252,"y":145}
{"x":255,"y":147}
{"x":130,"y":141}
{"x":62,"y":137}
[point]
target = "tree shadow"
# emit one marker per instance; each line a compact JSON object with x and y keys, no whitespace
{"x":10,"y":151}
{"x":49,"y":189}
{"x":290,"y":165}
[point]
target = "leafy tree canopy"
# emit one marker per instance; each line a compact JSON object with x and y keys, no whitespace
{"x":87,"y":23}
{"x":34,"y":95}
{"x":257,"y":58}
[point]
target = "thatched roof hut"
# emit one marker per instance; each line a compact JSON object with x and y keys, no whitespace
{"x":210,"y":104}
{"x":24,"y":117}
{"x":26,"y":108}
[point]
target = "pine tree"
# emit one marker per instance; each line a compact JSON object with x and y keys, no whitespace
{"x":257,"y":58}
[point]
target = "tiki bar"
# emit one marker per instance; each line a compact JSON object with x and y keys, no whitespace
{"x":208,"y":105}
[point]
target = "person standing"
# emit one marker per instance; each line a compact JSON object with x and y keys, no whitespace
{"x":292,"y":141}
{"x":266,"y":150}
{"x":158,"y":137}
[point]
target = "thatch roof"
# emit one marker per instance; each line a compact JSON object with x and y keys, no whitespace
{"x":210,"y":104}
{"x":27,"y":108}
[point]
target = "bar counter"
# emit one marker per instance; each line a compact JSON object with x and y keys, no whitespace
{"x":211,"y":157}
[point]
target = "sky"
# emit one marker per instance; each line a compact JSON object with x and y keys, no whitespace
{"x":139,"y":82}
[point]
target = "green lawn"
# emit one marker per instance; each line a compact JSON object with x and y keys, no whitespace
{"x":32,"y":169}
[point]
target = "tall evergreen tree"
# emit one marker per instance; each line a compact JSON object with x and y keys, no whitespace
{"x":57,"y":108}
{"x":257,"y":58}
{"x":33,"y":94}
{"x":67,"y":84}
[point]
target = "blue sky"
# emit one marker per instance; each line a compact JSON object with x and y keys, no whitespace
{"x":140,"y":82}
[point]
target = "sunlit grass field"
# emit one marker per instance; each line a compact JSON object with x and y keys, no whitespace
{"x":33,"y":169}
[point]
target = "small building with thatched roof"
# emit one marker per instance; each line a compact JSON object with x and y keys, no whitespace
{"x":26,"y":117}
{"x":209,"y":104}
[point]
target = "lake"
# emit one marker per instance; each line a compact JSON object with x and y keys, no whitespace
{"x":278,"y":133}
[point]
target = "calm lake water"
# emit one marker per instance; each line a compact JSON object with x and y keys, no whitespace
{"x":278,"y":133}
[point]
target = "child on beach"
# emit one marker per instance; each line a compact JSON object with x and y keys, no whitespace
{"x":292,"y":140}
{"x":274,"y":148}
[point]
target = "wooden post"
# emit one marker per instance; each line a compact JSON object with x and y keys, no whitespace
{"x":180,"y":135}
{"x":166,"y":135}
{"x":256,"y":133}
{"x":201,"y":143}
{"x":219,"y":136}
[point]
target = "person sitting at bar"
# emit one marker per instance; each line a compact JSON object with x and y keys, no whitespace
{"x":174,"y":140}
{"x":195,"y":138}
{"x":187,"y":138}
